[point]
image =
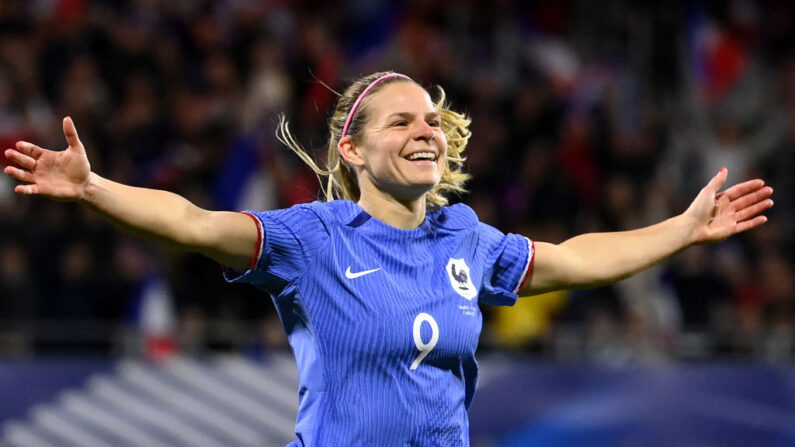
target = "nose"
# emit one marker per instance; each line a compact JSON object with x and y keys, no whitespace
{"x":424,"y":132}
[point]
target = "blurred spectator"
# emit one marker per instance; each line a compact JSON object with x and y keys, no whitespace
{"x":20,"y":297}
{"x":586,"y":117}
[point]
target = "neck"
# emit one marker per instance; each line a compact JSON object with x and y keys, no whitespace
{"x":405,"y":214}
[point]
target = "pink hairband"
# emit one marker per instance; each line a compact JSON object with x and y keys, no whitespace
{"x":364,"y":93}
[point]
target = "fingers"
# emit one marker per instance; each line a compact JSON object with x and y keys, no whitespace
{"x":70,"y":132}
{"x":717,"y":182}
{"x":29,"y":149}
{"x":26,"y":162}
{"x":750,"y":224}
{"x":21,"y":159}
{"x":752,"y":198}
{"x":19,"y":174}
{"x":751,"y":211}
{"x":744,"y":188}
{"x":26,"y":189}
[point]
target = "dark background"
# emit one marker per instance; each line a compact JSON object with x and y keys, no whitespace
{"x":587,"y":116}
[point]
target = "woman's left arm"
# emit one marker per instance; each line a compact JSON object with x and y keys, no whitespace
{"x":595,"y":259}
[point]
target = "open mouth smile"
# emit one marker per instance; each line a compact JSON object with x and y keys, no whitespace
{"x":419,"y":157}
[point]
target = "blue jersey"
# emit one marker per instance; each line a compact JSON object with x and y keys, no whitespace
{"x":384,"y":322}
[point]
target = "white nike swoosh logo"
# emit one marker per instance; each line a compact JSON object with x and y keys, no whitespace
{"x":351,"y":275}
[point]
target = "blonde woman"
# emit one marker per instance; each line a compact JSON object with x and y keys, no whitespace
{"x":379,"y":287}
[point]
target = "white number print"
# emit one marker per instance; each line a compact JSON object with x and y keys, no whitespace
{"x":424,"y":348}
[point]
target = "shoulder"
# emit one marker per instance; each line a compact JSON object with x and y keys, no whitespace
{"x":335,"y":211}
{"x":455,"y":217}
{"x":338,"y":210}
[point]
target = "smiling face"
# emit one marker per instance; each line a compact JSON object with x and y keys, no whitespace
{"x":403,"y":150}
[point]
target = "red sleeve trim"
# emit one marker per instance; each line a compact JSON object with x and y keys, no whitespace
{"x":531,"y":259}
{"x":258,"y":247}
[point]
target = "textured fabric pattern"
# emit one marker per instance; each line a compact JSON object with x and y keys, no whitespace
{"x":384,"y":322}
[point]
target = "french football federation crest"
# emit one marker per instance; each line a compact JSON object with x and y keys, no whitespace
{"x":460,"y":278}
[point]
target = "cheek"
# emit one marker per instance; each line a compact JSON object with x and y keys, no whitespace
{"x":380,"y":153}
{"x":442,"y":139}
{"x":443,"y":149}
{"x":384,"y":163}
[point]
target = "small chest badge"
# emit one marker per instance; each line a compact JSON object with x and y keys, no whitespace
{"x":460,"y":278}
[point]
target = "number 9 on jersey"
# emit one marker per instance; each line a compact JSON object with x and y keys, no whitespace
{"x":424,"y":348}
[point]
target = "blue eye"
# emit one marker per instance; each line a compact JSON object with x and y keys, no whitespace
{"x":399,"y":123}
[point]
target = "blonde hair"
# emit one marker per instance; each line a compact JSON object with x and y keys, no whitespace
{"x":341,"y":181}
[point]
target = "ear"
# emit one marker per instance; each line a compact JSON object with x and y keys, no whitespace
{"x":350,"y":152}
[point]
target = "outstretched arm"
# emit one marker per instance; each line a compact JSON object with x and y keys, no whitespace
{"x":162,"y":216}
{"x":595,"y":259}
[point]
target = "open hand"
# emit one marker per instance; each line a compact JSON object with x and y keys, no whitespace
{"x":57,"y":175}
{"x":737,"y":209}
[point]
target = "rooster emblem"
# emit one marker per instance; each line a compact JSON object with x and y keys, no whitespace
{"x":461,"y":278}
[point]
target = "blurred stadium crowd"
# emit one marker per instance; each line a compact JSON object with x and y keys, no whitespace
{"x":587,"y":116}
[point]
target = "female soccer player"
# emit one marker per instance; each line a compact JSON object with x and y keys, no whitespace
{"x":379,"y":291}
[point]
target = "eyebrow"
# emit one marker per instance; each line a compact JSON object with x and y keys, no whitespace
{"x":407,"y":115}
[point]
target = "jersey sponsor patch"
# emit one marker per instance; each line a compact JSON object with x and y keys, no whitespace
{"x":460,"y":278}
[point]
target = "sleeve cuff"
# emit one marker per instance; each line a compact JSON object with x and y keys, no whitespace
{"x":531,"y":257}
{"x":260,"y":238}
{"x":234,"y":275}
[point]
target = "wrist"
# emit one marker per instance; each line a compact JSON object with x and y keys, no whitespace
{"x":688,"y":226}
{"x":90,"y":189}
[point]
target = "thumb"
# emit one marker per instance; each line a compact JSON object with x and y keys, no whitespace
{"x":70,"y":132}
{"x":717,"y":182}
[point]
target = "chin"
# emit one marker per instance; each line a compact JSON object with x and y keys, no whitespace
{"x":427,"y":184}
{"x":419,"y":189}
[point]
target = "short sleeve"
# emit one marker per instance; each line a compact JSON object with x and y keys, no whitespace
{"x":287,"y":240}
{"x":509,"y":261}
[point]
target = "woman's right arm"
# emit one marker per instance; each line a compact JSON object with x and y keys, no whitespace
{"x":164,"y":217}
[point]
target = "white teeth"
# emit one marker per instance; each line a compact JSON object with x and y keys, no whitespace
{"x":422,"y":156}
